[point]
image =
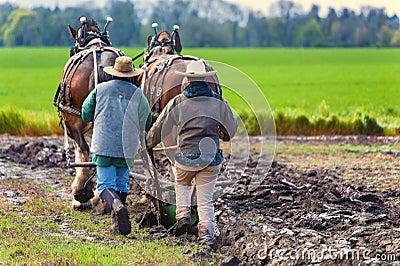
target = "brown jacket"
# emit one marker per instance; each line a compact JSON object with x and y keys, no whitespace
{"x":194,"y":124}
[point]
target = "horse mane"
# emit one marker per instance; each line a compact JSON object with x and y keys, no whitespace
{"x":92,"y":25}
{"x":164,"y":32}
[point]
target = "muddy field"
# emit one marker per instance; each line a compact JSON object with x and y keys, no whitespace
{"x":325,"y":200}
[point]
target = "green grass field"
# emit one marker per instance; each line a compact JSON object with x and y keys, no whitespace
{"x":33,"y":235}
{"x":347,"y":80}
{"x":296,"y":82}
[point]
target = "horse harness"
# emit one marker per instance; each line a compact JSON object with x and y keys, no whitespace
{"x":72,"y":65}
{"x":154,"y":88}
{"x":92,"y":38}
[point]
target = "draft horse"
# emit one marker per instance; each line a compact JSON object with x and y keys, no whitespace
{"x":159,"y":82}
{"x":82,"y":72}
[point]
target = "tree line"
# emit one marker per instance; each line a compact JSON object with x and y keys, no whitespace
{"x":206,"y":23}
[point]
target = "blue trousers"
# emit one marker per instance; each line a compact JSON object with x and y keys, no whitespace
{"x":112,"y":177}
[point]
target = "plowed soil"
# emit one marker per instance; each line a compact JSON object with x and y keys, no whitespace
{"x":327,"y":200}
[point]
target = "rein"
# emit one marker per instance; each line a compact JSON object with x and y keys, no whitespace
{"x":96,"y":74}
{"x":139,"y":55}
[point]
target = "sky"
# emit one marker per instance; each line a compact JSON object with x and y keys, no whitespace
{"x":391,"y":6}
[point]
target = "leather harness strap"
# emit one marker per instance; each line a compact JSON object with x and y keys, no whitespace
{"x":69,"y":71}
{"x":158,"y":73}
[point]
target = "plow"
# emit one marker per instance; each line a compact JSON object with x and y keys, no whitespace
{"x":159,"y":191}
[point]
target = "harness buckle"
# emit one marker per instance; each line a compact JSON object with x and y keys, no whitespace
{"x":159,"y":91}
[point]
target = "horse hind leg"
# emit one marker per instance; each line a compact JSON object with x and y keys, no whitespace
{"x":84,"y":183}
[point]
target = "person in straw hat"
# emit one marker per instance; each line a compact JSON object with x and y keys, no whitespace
{"x":119,"y":112}
{"x":197,"y":118}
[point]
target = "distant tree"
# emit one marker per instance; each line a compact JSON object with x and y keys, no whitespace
{"x":20,"y":28}
{"x":310,"y":35}
{"x":47,"y":29}
{"x":190,"y":36}
{"x":204,"y":23}
{"x":237,"y":16}
{"x":395,"y":39}
{"x":287,"y":10}
{"x":179,"y":13}
{"x":199,"y":32}
{"x":5,"y":10}
{"x":71,"y":15}
{"x":385,"y":36}
{"x":344,"y":29}
{"x":375,"y":19}
{"x":125,"y":29}
{"x":327,"y":24}
{"x":362,"y":37}
{"x":393,"y":22}
{"x":56,"y":30}
{"x":257,"y":30}
{"x":314,"y":13}
{"x":275,"y":31}
{"x":172,"y":12}
{"x":336,"y":35}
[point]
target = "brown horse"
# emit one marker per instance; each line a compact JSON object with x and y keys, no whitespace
{"x":159,"y":82}
{"x":82,"y":72}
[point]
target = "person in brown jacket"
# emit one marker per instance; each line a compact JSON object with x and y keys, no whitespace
{"x":195,"y":120}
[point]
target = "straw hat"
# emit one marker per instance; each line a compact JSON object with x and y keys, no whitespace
{"x":123,"y":67}
{"x":196,"y":69}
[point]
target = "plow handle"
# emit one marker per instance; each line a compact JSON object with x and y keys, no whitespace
{"x":159,"y":199}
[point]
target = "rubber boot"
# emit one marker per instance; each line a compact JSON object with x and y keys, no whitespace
{"x":119,"y":213}
{"x":122,"y":196}
{"x":183,"y":226}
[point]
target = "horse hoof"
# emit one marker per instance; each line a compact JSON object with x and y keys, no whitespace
{"x":82,"y":206}
{"x":102,"y":208}
{"x":83,"y":195}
